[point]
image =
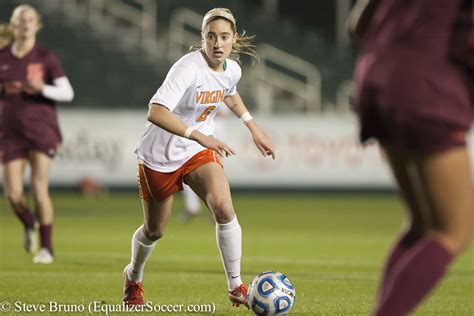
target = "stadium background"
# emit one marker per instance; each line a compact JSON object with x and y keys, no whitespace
{"x":323,"y":213}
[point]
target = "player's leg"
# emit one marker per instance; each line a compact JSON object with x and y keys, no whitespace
{"x":192,"y":206}
{"x":156,"y":216}
{"x":448,"y":190}
{"x":40,"y":164}
{"x":157,"y":207}
{"x":418,"y":219}
{"x":13,"y":186}
{"x":211,"y":185}
{"x":13,"y":176}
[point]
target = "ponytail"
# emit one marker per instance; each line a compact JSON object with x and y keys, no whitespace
{"x":6,"y":35}
{"x":244,"y":45}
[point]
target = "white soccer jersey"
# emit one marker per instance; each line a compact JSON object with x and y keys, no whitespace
{"x":195,"y":93}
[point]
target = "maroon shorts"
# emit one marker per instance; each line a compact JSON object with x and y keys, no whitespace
{"x":425,"y":136}
{"x":412,"y":104}
{"x":18,"y":148}
{"x":34,"y":128}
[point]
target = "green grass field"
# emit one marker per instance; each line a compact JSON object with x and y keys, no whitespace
{"x":331,"y":247}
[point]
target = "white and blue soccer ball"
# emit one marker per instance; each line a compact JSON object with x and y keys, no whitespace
{"x":271,"y":293}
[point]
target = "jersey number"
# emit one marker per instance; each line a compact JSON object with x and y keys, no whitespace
{"x":205,"y":113}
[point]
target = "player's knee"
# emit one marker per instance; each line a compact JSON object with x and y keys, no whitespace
{"x":14,"y":197}
{"x":41,"y":195}
{"x":222,"y":209}
{"x":41,"y":200}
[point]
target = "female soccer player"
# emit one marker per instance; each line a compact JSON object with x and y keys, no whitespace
{"x":414,"y":94}
{"x":177,"y":146}
{"x":31,"y":80}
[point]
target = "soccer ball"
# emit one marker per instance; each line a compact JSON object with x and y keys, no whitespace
{"x":271,"y":293}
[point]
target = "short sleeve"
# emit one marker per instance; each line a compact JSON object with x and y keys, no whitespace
{"x":55,"y":70}
{"x":178,"y":80}
{"x":236,"y":75}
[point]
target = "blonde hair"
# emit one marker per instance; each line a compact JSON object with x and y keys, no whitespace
{"x":243,"y":44}
{"x":6,"y":30}
{"x":6,"y":35}
{"x":19,"y":9}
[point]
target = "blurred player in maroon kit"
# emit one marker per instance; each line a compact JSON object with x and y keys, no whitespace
{"x":414,"y":81}
{"x":31,"y":80}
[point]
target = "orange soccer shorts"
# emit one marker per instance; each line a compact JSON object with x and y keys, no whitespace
{"x":158,"y":186}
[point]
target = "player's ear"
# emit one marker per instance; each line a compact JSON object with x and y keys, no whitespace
{"x":236,"y":36}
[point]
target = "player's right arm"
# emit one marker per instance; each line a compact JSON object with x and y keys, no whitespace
{"x":162,"y":117}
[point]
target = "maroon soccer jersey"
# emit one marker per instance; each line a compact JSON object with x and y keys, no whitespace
{"x":416,"y":63}
{"x":27,"y":120}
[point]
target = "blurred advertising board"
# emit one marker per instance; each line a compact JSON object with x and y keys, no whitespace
{"x":313,"y":151}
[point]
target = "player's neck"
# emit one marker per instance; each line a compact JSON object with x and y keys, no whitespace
{"x":216,"y":67}
{"x":22,"y":47}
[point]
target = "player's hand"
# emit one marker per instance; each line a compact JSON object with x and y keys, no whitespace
{"x":33,"y":86}
{"x":213,"y":143}
{"x":264,"y":144}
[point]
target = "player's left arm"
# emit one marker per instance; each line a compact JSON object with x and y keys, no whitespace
{"x":60,"y":89}
{"x":261,"y":140}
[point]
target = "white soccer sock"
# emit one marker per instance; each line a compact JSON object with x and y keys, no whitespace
{"x":229,"y":241}
{"x":142,"y":248}
{"x":191,"y":200}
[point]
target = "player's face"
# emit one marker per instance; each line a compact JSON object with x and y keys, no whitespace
{"x":218,"y":38}
{"x":26,"y":25}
